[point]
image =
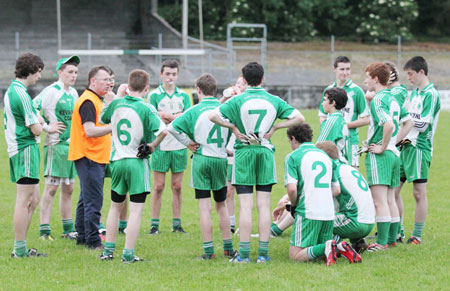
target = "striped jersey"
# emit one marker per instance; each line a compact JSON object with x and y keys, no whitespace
{"x":178,"y":102}
{"x":311,"y":170}
{"x":133,"y":122}
{"x":334,"y":129}
{"x":385,"y":107}
{"x":255,"y":111}
{"x":355,"y":200}
{"x":56,"y":105}
{"x":424,"y":107}
{"x":356,"y":107}
{"x":19,"y":115}
{"x":195,"y":123}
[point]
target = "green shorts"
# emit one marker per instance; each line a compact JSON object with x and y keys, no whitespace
{"x":229,"y":172}
{"x":56,"y":163}
{"x":350,"y":228}
{"x":131,"y":176}
{"x":163,"y":161}
{"x":415,"y":163}
{"x":208,"y":173}
{"x":383,"y":169}
{"x":25,"y":164}
{"x":306,"y":232}
{"x":254,"y":165}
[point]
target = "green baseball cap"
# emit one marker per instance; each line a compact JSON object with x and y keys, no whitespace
{"x":62,"y":61}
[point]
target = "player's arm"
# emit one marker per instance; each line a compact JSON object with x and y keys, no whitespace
{"x":322,"y":115}
{"x":388,"y":129}
{"x":158,"y":140}
{"x":215,"y":117}
{"x":297,"y":118}
{"x":88,"y":118}
{"x":292,"y":193}
{"x":362,"y":121}
{"x":404,"y":130}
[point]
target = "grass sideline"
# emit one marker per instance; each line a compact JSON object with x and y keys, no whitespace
{"x":172,"y":262}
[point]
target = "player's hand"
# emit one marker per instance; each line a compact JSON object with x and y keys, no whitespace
{"x":56,"y":127}
{"x":239,"y":136}
{"x":278,"y":212}
{"x":144,"y":150}
{"x":364,"y":147}
{"x":122,"y":90}
{"x":193,"y":146}
{"x":402,"y":143}
{"x":269,"y":134}
{"x":376,"y":149}
{"x":251,"y":139}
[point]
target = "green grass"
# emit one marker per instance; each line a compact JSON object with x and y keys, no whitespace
{"x":172,"y":262}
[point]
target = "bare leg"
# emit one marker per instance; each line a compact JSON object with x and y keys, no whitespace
{"x":46,"y":203}
{"x":420,"y":194}
{"x":245,"y":216}
{"x":264,"y":215}
{"x":159,"y":179}
{"x":65,"y":203}
{"x":26,"y":201}
{"x":298,"y":254}
{"x":134,"y":224}
{"x":230,"y":198}
{"x":112,"y":221}
{"x":286,"y":221}
{"x":393,"y":208}
{"x":379,"y":195}
{"x":124,"y":212}
{"x":177,"y":180}
{"x":224,"y":221}
{"x":399,"y":199}
{"x":205,"y":218}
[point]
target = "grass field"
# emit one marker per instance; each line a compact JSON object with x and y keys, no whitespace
{"x":172,"y":256}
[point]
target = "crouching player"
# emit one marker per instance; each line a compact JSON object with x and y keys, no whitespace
{"x":209,"y":164}
{"x":134,"y":123}
{"x":356,"y":212}
{"x":310,"y":185}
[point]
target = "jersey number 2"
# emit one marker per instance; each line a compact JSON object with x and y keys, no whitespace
{"x":317,"y":183}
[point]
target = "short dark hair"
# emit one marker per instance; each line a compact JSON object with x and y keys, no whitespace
{"x":170,"y":64}
{"x":416,"y":64}
{"x":341,"y":59}
{"x":329,"y":148}
{"x":138,"y":80}
{"x":302,"y":132}
{"x":207,"y":84}
{"x":63,"y":66}
{"x":95,"y":70}
{"x":379,"y":70}
{"x":253,"y":73}
{"x":337,"y":95}
{"x":28,"y":64}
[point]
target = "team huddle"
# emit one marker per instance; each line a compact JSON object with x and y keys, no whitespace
{"x":127,"y":135}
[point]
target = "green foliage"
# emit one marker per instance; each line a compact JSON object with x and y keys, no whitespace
{"x":433,"y":20}
{"x":383,"y":20}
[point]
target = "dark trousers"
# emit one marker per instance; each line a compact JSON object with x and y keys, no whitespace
{"x":87,"y":219}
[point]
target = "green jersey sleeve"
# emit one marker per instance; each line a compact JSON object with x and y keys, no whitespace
{"x":329,"y":130}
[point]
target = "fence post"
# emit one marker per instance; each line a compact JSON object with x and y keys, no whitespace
{"x":17,"y":45}
{"x":332,"y":58}
{"x":89,"y":46}
{"x":160,"y":46}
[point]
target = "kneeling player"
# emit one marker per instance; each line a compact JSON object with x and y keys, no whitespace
{"x":356,"y":212}
{"x":310,"y":185}
{"x":133,"y":123}
{"x":209,"y":164}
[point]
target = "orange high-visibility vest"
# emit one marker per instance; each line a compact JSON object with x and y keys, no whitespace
{"x":96,"y":149}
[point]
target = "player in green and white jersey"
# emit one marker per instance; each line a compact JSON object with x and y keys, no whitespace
{"x":355,"y":112}
{"x":134,"y":123}
{"x":56,"y":103}
{"x":23,"y":126}
{"x":310,"y":185}
{"x":355,"y":214}
{"x":209,"y":163}
{"x":251,"y":117}
{"x":334,"y":127}
{"x":423,"y":105}
{"x":382,"y":160}
{"x":171,"y":102}
{"x":400,"y":94}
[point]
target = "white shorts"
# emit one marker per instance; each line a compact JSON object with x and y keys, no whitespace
{"x":57,"y":181}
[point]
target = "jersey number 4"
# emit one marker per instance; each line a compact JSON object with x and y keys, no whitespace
{"x":215,"y":136}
